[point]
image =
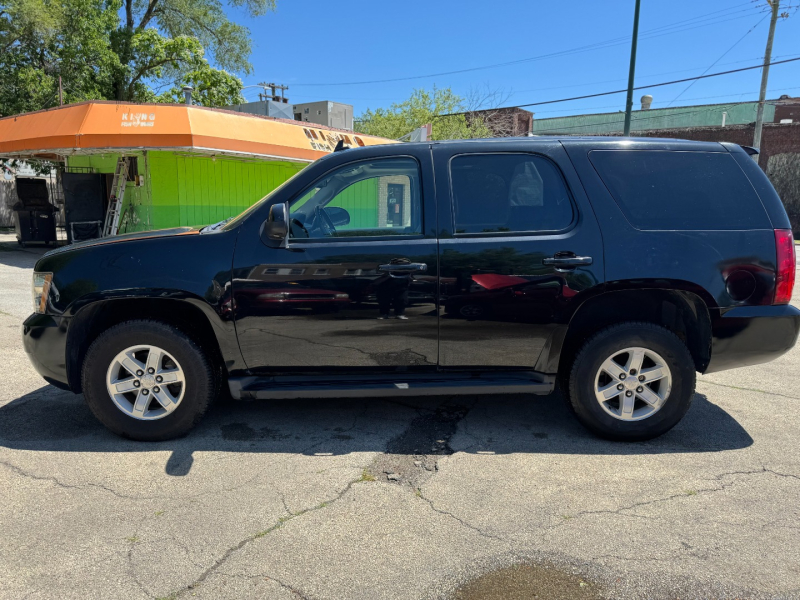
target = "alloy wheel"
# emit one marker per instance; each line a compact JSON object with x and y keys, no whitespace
{"x":633,"y":384}
{"x":145,"y":382}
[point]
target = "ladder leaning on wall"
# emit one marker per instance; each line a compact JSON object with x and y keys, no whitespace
{"x":118,"y":184}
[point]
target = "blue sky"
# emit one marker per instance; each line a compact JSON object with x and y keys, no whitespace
{"x":577,"y":47}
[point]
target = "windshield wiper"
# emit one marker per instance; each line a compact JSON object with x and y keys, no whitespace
{"x":215,"y":226}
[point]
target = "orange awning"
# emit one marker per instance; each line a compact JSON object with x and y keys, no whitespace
{"x":95,"y":126}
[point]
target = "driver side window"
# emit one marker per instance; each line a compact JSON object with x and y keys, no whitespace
{"x":380,"y":197}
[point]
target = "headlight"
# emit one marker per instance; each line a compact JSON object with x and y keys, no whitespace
{"x":41,"y":290}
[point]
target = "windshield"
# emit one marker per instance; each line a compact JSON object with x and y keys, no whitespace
{"x":236,"y":221}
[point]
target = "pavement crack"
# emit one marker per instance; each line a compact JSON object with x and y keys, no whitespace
{"x":458,"y":519}
{"x":746,"y":389}
{"x":54,"y":480}
{"x":280,"y":523}
{"x":717,"y":478}
{"x":288,"y":588}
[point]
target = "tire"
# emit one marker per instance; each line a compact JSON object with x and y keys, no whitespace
{"x":668,"y":398}
{"x":181,"y":356}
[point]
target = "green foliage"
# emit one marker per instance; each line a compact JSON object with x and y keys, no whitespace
{"x":41,"y":40}
{"x":129,"y":50}
{"x":421,"y":108}
{"x":212,"y":87}
{"x":205,"y":20}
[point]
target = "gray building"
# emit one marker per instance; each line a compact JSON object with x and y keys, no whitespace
{"x":332,"y":114}
{"x":266,"y":108}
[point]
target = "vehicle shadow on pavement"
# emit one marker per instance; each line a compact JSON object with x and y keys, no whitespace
{"x":50,"y":419}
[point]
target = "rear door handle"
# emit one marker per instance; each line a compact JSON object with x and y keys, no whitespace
{"x":404,"y":267}
{"x":567,"y":261}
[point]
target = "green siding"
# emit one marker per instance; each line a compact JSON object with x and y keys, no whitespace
{"x":197,"y":190}
{"x":656,"y":118}
{"x":361,"y":201}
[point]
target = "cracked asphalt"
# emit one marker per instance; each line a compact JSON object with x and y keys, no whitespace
{"x":463,"y":497}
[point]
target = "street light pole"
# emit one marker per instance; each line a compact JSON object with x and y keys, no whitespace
{"x":774,"y":5}
{"x":629,"y":101}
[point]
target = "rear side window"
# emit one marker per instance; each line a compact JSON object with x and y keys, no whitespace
{"x":680,"y":190}
{"x":500,"y":193}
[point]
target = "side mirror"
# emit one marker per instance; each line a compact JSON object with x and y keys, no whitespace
{"x":276,"y":228}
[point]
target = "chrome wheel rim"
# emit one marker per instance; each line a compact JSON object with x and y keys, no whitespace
{"x":633,"y":384}
{"x":145,"y":382}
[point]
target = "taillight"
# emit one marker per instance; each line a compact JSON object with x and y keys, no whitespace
{"x":784,"y":282}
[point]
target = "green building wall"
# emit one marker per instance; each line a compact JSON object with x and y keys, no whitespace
{"x":740,"y":113}
{"x":361,"y":201}
{"x":185,"y":190}
{"x":198,"y":190}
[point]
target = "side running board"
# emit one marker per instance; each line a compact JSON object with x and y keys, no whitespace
{"x":393,"y":384}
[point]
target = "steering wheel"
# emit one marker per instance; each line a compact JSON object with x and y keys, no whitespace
{"x":300,"y":225}
{"x":325,"y":223}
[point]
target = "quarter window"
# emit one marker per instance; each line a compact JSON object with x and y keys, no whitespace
{"x":680,"y":190}
{"x":371,"y":198}
{"x":501,"y":193}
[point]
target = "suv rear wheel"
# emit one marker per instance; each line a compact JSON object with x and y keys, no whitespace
{"x":632,"y":381}
{"x":148,"y":381}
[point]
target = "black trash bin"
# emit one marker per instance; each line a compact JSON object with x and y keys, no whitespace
{"x":34,"y":216}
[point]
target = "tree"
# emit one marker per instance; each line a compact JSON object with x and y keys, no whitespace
{"x":162,"y":41}
{"x":42,"y":40}
{"x":211,"y":87}
{"x":441,"y":107}
{"x":130,"y":50}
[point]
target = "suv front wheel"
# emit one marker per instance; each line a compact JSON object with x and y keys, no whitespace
{"x":631,"y":382}
{"x":146,"y":380}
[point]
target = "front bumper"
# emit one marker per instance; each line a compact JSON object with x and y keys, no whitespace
{"x":751,"y":335}
{"x":45,"y":340}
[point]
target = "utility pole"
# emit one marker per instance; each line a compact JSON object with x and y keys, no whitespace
{"x":629,"y":101}
{"x":274,"y":96}
{"x":774,"y":5}
{"x":60,"y":92}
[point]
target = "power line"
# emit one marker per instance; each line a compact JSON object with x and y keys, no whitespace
{"x":719,"y":59}
{"x":641,"y":87}
{"x":584,"y":84}
{"x":597,"y":95}
{"x":585,"y":108}
{"x":649,"y":34}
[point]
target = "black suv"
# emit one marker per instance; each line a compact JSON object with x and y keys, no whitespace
{"x":614,"y":267}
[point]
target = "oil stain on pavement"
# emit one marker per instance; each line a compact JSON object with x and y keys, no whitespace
{"x":527,"y":582}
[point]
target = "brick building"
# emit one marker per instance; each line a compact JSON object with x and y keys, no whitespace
{"x":505,"y":122}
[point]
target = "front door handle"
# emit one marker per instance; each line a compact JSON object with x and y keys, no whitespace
{"x":407,"y":267}
{"x":567,"y":261}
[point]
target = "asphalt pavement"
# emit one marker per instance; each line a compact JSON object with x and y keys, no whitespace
{"x":453,"y":498}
